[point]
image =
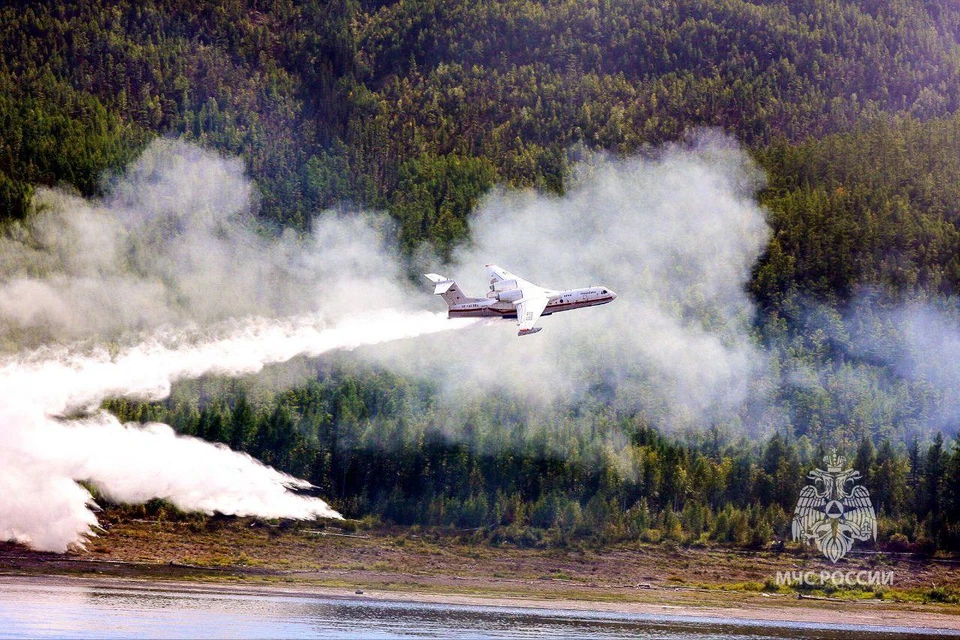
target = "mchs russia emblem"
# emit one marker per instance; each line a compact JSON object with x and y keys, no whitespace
{"x":834,"y":511}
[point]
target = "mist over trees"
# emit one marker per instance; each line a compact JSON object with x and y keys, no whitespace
{"x":376,"y":446}
{"x":419,"y":109}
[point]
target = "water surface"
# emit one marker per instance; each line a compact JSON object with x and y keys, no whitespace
{"x":36,"y":607}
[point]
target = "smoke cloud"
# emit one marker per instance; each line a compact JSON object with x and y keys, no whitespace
{"x":931,"y":355}
{"x":174,"y":242}
{"x":675,"y":235}
{"x":902,"y":376}
{"x":161,"y":268}
{"x":169,"y":278}
{"x":43,"y":453}
{"x":173,"y":256}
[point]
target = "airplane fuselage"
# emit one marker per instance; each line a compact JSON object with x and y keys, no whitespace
{"x":513,"y":297}
{"x":563,"y":301}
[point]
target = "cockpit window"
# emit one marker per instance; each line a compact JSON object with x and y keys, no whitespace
{"x":604,"y":291}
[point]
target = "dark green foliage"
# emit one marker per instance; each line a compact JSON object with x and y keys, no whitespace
{"x":373,"y":103}
{"x":877,"y":206}
{"x":373,"y":446}
{"x":51,"y":134}
{"x":15,"y":197}
{"x":434,"y":197}
{"x":421,"y":107}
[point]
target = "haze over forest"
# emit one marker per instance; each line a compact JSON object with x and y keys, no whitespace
{"x":775,"y":187}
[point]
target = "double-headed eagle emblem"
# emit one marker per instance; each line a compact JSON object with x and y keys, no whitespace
{"x":834,"y":511}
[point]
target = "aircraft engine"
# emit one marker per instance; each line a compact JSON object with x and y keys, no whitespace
{"x":510,"y":296}
{"x":504,"y":285}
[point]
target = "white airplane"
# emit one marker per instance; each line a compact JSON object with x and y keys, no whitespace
{"x":513,"y":297}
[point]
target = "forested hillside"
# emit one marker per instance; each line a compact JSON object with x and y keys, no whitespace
{"x":370,"y":103}
{"x":377,"y":447}
{"x":419,"y":108}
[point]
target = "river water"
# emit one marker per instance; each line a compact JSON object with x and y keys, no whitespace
{"x":36,"y":607}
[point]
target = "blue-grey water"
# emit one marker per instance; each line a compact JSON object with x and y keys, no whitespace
{"x":36,"y":607}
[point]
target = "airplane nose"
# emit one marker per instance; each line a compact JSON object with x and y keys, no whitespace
{"x":613,"y":296}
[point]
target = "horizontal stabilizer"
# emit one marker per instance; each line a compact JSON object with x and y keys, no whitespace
{"x":529,"y":332}
{"x":451,"y":293}
{"x":442,"y":283}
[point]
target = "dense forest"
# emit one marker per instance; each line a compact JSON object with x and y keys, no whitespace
{"x":419,"y":108}
{"x":375,"y":446}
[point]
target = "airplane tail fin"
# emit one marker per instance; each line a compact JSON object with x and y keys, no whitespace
{"x":452,"y":294}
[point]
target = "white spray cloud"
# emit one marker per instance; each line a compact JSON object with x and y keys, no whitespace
{"x":175,"y":242}
{"x":675,"y":235}
{"x":932,"y":355}
{"x":906,"y":364}
{"x":172,"y":246}
{"x":43,"y":454}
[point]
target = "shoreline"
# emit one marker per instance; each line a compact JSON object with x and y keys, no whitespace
{"x":247,"y":556}
{"x":862,"y":617}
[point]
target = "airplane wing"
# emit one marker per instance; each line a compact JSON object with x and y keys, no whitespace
{"x":499,"y":274}
{"x":529,"y":309}
{"x":533,"y":299}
